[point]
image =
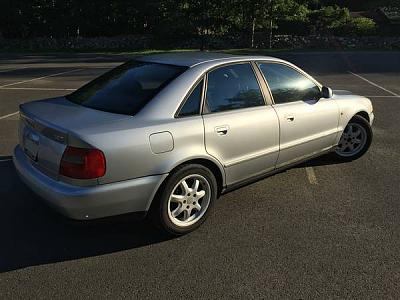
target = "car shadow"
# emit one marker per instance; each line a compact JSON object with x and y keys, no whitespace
{"x":33,"y":234}
{"x":324,"y":160}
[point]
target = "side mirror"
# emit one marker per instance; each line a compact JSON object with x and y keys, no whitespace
{"x":326,"y":92}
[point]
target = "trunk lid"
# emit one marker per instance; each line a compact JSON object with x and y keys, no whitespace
{"x":48,"y":126}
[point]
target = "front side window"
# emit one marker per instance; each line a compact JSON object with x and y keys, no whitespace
{"x":127,"y":88}
{"x":288,"y":85}
{"x":233,"y":87}
{"x":191,"y":107}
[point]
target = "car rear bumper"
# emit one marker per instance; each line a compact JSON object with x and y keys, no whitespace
{"x":86,"y":203}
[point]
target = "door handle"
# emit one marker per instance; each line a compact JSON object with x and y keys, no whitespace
{"x":222,"y":130}
{"x":289,"y":118}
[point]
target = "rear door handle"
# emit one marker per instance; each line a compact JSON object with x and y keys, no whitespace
{"x":289,"y":118}
{"x":222,"y":130}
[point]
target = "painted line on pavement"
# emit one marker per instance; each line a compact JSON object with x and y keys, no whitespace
{"x":38,"y":78}
{"x":312,"y":178}
{"x":374,"y":84}
{"x":382,"y":96}
{"x":10,"y":70}
{"x":36,"y":89}
{"x":4,"y":160}
{"x":9,"y":115}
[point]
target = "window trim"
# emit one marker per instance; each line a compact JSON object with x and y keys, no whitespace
{"x":205,"y":111}
{"x":258,"y":62}
{"x":188,"y":94}
{"x":262,"y":83}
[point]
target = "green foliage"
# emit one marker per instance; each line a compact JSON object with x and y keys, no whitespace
{"x":178,"y":19}
{"x":330,"y":18}
{"x":361,"y":26}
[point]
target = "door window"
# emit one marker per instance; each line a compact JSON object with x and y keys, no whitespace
{"x":233,"y":87}
{"x":288,"y":85}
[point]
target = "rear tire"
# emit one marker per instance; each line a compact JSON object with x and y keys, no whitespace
{"x":184,"y":200}
{"x":355,"y":140}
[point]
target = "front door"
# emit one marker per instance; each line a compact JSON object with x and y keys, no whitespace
{"x":308,"y":123}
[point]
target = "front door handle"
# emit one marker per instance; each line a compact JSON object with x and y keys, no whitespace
{"x":222,"y":130}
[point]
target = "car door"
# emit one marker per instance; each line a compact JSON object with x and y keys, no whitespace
{"x":308,"y":123}
{"x":241,"y":130}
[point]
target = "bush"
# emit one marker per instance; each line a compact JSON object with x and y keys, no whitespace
{"x":357,"y":27}
{"x":363,"y":26}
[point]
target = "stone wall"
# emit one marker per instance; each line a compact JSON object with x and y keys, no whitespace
{"x":140,"y":42}
{"x":133,"y":42}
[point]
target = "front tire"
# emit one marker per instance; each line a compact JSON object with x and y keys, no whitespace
{"x":185,"y":199}
{"x":355,"y":140}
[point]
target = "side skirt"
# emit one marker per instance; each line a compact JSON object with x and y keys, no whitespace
{"x":253,"y":179}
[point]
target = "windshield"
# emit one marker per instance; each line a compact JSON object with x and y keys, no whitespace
{"x":127,"y":88}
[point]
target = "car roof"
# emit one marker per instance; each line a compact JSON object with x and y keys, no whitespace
{"x":193,"y":58}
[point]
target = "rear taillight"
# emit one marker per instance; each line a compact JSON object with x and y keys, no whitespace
{"x":82,"y":163}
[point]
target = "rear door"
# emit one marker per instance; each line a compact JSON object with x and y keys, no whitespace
{"x":308,"y":123}
{"x":241,"y":130}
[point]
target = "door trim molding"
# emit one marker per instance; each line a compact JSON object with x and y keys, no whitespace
{"x":252,"y":156}
{"x":309,"y":139}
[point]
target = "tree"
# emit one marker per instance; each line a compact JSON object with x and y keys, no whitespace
{"x":329,"y":18}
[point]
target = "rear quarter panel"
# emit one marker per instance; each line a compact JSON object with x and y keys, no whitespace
{"x":128,"y":151}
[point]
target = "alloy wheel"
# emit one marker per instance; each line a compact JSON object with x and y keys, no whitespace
{"x":189,"y":200}
{"x":352,"y":141}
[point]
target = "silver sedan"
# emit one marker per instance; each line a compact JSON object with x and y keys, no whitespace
{"x":165,"y":135}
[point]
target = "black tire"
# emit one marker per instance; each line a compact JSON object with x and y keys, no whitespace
{"x":159,"y":212}
{"x":368,"y":130}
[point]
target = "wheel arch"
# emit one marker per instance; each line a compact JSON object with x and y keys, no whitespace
{"x":213,"y":166}
{"x":364,"y":114}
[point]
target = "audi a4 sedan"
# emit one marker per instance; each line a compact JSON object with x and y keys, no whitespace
{"x":163,"y":136}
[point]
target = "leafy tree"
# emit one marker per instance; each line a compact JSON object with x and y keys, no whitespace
{"x":170,"y":20}
{"x":329,"y":18}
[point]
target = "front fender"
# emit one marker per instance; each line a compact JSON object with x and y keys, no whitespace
{"x":349,"y":106}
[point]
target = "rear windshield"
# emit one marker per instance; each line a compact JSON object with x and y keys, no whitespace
{"x":127,"y":88}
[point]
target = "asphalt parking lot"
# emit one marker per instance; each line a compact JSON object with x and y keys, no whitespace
{"x":320,"y":230}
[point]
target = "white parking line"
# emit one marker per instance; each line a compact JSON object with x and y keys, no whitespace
{"x":311,"y":175}
{"x":9,"y":115}
{"x":10,"y":70}
{"x":38,"y":78}
{"x":382,"y":96}
{"x":374,"y":84}
{"x":37,"y":89}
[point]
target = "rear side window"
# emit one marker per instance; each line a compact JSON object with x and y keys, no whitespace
{"x":233,"y":87}
{"x":127,"y":88}
{"x":288,"y":85}
{"x":192,"y":103}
